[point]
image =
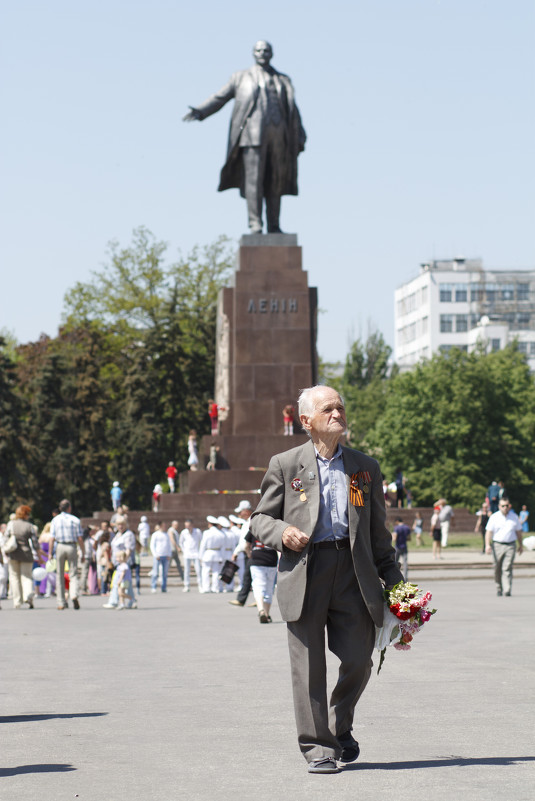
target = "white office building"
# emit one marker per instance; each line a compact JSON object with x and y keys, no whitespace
{"x":457,"y":303}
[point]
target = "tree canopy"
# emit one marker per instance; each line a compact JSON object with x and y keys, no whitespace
{"x":458,"y":421}
{"x":115,"y":394}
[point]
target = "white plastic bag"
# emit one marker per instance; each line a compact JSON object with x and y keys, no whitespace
{"x":386,"y":633}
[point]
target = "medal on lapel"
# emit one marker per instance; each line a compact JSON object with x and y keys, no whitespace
{"x":297,"y":485}
{"x":358,"y":487}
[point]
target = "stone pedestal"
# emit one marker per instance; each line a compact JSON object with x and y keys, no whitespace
{"x":265,"y":354}
{"x":266,"y":344}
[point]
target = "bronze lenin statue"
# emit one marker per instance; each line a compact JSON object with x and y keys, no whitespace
{"x":265,"y":137}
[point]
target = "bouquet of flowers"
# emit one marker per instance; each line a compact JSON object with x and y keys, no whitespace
{"x":406,"y":611}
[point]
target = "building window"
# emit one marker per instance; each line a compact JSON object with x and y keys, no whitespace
{"x":425,"y":325}
{"x":495,"y":344}
{"x":476,"y":292}
{"x":522,"y":291}
{"x":474,"y":319}
{"x":424,"y":295}
{"x":507,"y":291}
{"x":491,"y":292}
{"x":445,"y":293}
{"x":446,"y":323}
{"x":523,"y":320}
{"x":532,"y":348}
{"x":445,"y":348}
{"x":461,"y":293}
{"x":509,"y":318}
{"x":461,"y":323}
{"x":523,"y":347}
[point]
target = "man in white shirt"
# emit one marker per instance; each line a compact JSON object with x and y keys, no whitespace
{"x":503,"y":531}
{"x":160,"y":548}
{"x":189,"y":541}
{"x":66,"y":532}
{"x":143,"y":531}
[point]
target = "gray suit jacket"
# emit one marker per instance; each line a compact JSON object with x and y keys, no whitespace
{"x":280,"y":506}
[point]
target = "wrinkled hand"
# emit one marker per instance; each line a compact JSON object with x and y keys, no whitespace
{"x":294,"y":539}
{"x":192,"y":114}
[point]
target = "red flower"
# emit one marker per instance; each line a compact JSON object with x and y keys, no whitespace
{"x":395,"y":609}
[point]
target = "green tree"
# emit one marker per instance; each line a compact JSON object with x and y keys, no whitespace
{"x":138,"y":431}
{"x":47,"y":425}
{"x":367,"y":361}
{"x":363,"y":385}
{"x":65,"y":421}
{"x":158,"y":320}
{"x":456,"y":422}
{"x":12,"y":455}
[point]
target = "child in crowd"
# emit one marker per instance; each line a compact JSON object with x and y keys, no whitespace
{"x":123,"y":577}
{"x":417,"y":527}
{"x":288,"y":414}
{"x":104,"y":563}
{"x":156,"y":495}
{"x":212,"y":463}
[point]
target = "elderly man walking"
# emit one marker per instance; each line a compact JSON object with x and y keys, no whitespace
{"x":323,"y":508}
{"x":66,"y":532}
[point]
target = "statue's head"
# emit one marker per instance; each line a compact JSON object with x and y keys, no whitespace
{"x":263,"y":53}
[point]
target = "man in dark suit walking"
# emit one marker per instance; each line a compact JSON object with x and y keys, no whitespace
{"x":323,"y":508}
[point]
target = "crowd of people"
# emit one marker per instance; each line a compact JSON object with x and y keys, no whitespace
{"x":66,"y":561}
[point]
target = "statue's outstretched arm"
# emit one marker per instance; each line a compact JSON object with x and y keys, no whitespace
{"x":192,"y":114}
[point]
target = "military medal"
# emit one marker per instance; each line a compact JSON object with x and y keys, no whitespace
{"x":297,"y":485}
{"x":356,"y":494}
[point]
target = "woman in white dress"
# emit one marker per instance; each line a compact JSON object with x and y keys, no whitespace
{"x":193,"y":459}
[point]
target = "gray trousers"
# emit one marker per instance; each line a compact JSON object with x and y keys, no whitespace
{"x":66,"y":552}
{"x":264,"y":167}
{"x":504,"y":557}
{"x":176,"y":558}
{"x":333,"y":603}
{"x":402,"y":557}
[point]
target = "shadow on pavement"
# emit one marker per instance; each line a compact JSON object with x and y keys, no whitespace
{"x":35,"y":769}
{"x":453,"y":761}
{"x":50,"y":716}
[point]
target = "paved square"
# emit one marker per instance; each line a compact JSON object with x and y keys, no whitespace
{"x":189,"y":697}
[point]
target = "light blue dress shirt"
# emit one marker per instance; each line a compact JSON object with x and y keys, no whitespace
{"x":333,"y":520}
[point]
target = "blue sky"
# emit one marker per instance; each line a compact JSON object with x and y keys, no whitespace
{"x":419,"y":116}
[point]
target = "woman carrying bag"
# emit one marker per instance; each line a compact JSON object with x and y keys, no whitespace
{"x":20,"y":546}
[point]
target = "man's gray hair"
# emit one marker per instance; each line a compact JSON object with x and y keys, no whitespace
{"x":305,"y":402}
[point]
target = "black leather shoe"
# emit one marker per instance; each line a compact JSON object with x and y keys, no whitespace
{"x":350,"y":747}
